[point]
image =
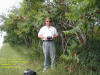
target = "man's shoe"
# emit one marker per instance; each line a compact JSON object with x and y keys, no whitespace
{"x":44,"y":70}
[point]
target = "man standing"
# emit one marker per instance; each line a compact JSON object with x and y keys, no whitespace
{"x":48,"y":33}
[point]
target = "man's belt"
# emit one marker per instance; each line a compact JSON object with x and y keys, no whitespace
{"x":47,"y":40}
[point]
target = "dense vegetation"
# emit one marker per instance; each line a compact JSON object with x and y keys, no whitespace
{"x":77,"y":22}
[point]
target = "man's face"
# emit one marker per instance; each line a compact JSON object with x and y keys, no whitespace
{"x":48,"y":22}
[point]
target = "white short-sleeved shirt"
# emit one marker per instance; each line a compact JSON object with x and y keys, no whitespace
{"x":45,"y":31}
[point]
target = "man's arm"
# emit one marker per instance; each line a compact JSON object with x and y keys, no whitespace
{"x":41,"y":37}
{"x":55,"y":36}
{"x":40,"y":34}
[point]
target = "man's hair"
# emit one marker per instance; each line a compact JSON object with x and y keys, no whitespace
{"x":48,"y":18}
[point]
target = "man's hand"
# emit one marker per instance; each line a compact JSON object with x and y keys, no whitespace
{"x":45,"y":38}
{"x":53,"y":37}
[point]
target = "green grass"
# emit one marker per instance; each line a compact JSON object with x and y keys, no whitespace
{"x":14,"y":55}
{"x":22,"y":53}
{"x":35,"y":62}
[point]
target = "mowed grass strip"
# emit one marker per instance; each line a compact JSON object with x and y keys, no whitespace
{"x":14,"y":60}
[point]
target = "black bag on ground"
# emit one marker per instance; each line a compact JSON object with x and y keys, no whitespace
{"x":29,"y":72}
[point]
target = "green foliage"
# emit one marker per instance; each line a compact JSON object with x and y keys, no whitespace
{"x":71,"y":57}
{"x":73,"y":31}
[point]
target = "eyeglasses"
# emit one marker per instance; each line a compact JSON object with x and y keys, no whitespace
{"x":48,"y":21}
